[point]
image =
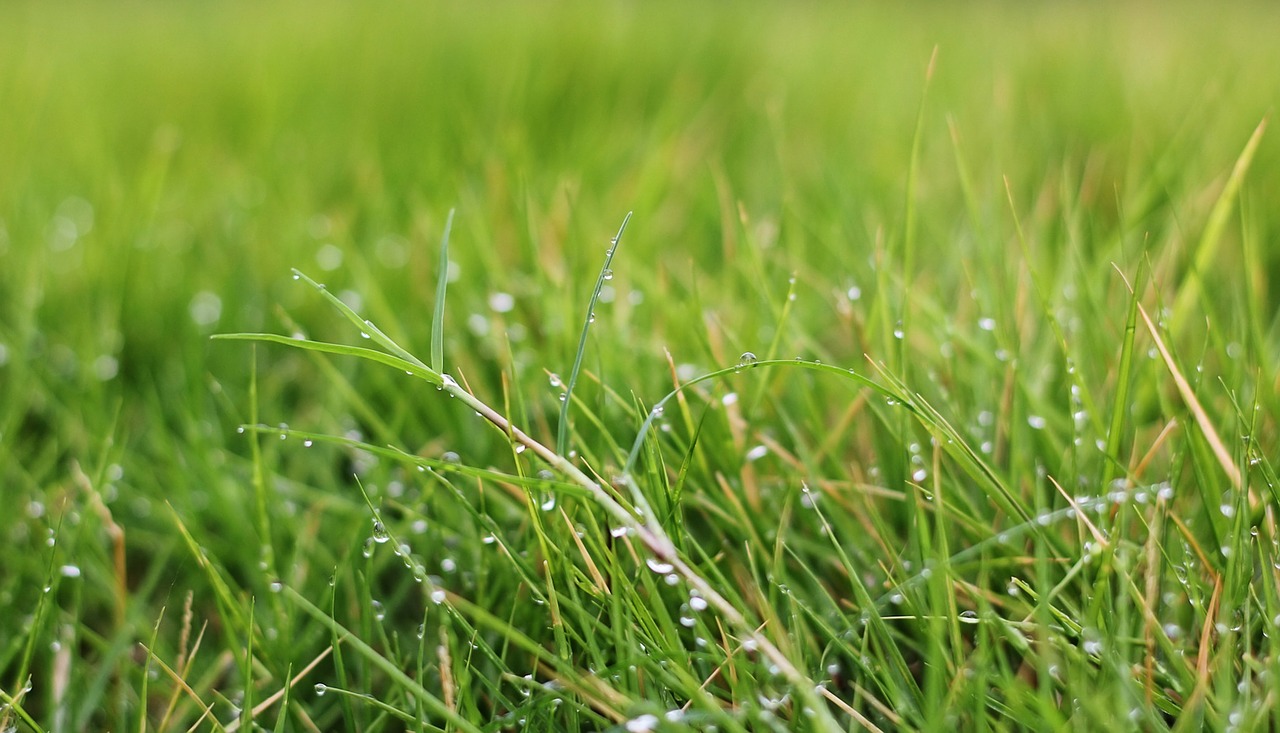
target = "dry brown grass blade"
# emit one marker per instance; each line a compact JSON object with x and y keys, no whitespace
{"x":1193,"y":404}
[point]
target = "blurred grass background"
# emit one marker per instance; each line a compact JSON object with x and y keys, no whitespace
{"x":162,"y":168}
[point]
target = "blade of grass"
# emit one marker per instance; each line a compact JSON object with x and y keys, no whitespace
{"x":1123,"y":380}
{"x":442,"y":285}
{"x":412,"y":367}
{"x":606,"y":273}
{"x":1207,"y":248}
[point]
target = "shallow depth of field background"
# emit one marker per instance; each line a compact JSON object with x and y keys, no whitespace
{"x":163,"y":167}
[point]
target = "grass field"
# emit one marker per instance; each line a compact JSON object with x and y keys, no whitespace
{"x":986,"y":294}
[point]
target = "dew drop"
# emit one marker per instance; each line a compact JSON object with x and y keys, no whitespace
{"x":658,"y":566}
{"x":320,"y":687}
{"x":451,"y":457}
{"x":380,"y":533}
{"x":379,"y":612}
{"x":642,"y":724}
{"x":608,"y":274}
{"x":747,"y":359}
{"x":437,"y":596}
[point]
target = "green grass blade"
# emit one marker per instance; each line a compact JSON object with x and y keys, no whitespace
{"x":442,"y":285}
{"x":1207,"y":248}
{"x":606,"y":273}
{"x":366,"y":327}
{"x":1123,"y":385}
{"x":413,"y":368}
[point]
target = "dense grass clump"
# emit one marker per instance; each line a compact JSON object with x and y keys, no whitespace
{"x":929,"y":385}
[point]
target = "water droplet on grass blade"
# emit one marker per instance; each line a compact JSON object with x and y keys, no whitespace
{"x":380,"y":534}
{"x":642,"y":724}
{"x":747,"y":359}
{"x":320,"y":687}
{"x":607,"y":274}
{"x":659,"y":566}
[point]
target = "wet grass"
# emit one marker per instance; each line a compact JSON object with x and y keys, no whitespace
{"x":924,"y":389}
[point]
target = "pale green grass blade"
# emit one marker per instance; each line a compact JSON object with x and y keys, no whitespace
{"x":606,"y":273}
{"x":1207,"y":248}
{"x":367,"y":329}
{"x":442,"y":286}
{"x":412,"y":367}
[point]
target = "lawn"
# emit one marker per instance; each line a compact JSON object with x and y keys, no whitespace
{"x":631,"y":367}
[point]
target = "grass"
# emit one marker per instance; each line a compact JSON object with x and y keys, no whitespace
{"x":1001,"y":457}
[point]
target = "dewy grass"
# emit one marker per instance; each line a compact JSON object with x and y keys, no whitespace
{"x":639,"y":520}
{"x":1043,"y":499}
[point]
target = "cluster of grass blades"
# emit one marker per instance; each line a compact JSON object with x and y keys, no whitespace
{"x":766,"y":615}
{"x":628,"y":514}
